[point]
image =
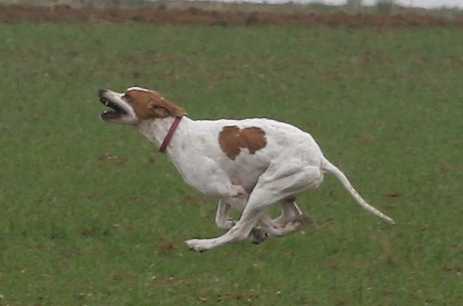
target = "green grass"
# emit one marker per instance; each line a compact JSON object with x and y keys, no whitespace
{"x":91,"y":215}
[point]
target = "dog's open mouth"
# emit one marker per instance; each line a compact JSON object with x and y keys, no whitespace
{"x":114,"y":113}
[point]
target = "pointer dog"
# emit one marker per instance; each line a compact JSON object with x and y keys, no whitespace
{"x":248,"y":164}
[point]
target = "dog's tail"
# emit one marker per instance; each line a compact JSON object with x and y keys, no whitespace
{"x":329,"y":167}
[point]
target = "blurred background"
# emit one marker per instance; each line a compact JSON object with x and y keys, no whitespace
{"x":353,"y":3}
{"x":91,"y":214}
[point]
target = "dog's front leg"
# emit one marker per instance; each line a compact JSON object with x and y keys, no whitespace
{"x":222,"y":219}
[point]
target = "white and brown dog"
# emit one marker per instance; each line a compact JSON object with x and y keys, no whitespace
{"x":248,"y":164}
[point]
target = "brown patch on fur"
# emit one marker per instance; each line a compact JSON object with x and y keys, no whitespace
{"x":232,"y":139}
{"x":151,"y":105}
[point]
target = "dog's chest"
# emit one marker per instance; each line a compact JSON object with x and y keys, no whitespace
{"x":206,"y":161}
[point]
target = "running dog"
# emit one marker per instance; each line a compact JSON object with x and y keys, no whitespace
{"x":248,"y":164}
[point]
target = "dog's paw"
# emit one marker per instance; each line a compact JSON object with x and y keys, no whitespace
{"x":197,"y":245}
{"x":258,"y":236}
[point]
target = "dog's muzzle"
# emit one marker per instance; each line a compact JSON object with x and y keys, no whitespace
{"x":115,"y":111}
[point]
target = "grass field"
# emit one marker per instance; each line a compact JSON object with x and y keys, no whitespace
{"x":91,"y":215}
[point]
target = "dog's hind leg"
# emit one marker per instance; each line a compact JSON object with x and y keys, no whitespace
{"x":291,"y":213}
{"x":291,"y":219}
{"x":279,"y":181}
{"x":223,"y":220}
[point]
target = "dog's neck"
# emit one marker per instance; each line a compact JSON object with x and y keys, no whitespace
{"x":156,"y":130}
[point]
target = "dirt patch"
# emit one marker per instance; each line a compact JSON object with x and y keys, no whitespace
{"x":62,"y":14}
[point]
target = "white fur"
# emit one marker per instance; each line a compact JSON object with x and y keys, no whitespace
{"x":290,"y":163}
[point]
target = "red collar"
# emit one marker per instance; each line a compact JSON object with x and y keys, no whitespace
{"x":170,"y":134}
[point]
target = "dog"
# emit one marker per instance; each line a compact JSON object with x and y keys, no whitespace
{"x":248,"y":165}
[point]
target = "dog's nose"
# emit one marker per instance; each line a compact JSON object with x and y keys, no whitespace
{"x":101,"y":92}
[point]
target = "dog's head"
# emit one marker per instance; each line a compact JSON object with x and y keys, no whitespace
{"x":135,"y":105}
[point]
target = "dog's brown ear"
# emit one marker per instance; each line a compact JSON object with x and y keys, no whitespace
{"x":174,"y":110}
{"x":159,"y":111}
{"x":163,"y":108}
{"x":149,"y":104}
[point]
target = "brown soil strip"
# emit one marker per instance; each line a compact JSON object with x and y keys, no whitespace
{"x":62,"y":14}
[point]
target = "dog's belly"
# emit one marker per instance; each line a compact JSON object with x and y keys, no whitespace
{"x":246,"y":171}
